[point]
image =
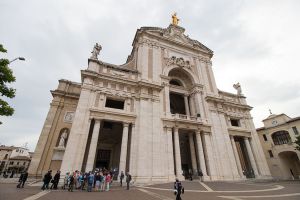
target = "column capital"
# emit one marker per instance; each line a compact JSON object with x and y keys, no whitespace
{"x":206,"y":133}
{"x":98,"y":120}
{"x":198,"y":131}
{"x":169,"y":128}
{"x":125,"y":124}
{"x":246,"y":138}
{"x":176,"y":129}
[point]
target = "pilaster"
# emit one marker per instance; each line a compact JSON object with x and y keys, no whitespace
{"x":123,"y":153}
{"x":93,"y":147}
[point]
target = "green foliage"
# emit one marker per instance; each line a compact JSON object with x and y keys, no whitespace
{"x":6,"y":76}
{"x":297,"y":142}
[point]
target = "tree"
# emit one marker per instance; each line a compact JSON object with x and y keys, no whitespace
{"x":297,"y":142}
{"x":6,"y":76}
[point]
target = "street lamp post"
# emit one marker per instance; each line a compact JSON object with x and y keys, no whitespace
{"x":18,"y":58}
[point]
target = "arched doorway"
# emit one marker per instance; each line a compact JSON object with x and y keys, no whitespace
{"x":181,"y":101}
{"x":290,"y":164}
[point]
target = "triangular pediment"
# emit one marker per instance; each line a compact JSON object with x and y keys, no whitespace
{"x":176,"y":34}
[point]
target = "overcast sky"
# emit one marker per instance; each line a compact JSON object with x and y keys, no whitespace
{"x":256,"y":43}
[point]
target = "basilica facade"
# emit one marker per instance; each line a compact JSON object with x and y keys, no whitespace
{"x":159,"y":116}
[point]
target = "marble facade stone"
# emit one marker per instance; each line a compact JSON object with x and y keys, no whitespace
{"x":158,"y":136}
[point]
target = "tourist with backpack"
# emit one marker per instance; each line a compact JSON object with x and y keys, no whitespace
{"x":128,"y":179}
{"x":178,"y":189}
{"x":90,"y":182}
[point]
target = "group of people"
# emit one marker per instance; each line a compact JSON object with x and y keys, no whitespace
{"x":48,"y":178}
{"x":99,"y":180}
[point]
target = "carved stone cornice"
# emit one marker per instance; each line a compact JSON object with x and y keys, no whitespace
{"x":150,"y":85}
{"x":224,"y":102}
{"x":64,"y":94}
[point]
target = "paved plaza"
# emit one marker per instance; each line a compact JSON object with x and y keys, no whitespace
{"x":194,"y":190}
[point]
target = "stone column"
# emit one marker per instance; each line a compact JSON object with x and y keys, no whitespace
{"x":251,"y":156}
{"x":193,"y":154}
{"x":201,"y":154}
{"x":123,"y":153}
{"x":186,"y":104}
{"x":211,"y":166}
{"x":171,"y":174}
{"x":167,"y":97}
{"x":93,"y":147}
{"x":193,"y":110}
{"x":133,"y":151}
{"x":236,"y":156}
{"x":177,"y":154}
{"x":198,"y":98}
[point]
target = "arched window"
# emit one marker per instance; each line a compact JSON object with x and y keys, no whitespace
{"x":281,"y":137}
{"x":175,"y":82}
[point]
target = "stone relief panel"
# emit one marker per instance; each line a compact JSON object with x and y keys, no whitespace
{"x":69,"y":117}
{"x":178,"y":61}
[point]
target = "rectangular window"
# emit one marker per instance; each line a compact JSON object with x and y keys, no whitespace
{"x":24,"y":163}
{"x":113,"y":103}
{"x":270,"y":153}
{"x":295,"y":130}
{"x":235,"y":122}
{"x":11,"y":162}
{"x":265,"y":137}
{"x":17,"y":163}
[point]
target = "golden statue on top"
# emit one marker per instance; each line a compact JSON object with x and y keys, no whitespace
{"x":175,"y":19}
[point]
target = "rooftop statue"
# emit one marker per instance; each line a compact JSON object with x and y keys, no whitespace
{"x":175,"y":19}
{"x":96,"y":50}
{"x":238,"y":88}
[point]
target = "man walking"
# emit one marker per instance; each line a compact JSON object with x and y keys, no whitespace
{"x":47,"y":179}
{"x":22,"y":179}
{"x":56,"y":180}
{"x":128,"y":179}
{"x":121,"y":178}
{"x":201,"y":175}
{"x":178,"y":189}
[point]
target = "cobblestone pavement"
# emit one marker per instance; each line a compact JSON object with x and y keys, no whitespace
{"x":194,"y":190}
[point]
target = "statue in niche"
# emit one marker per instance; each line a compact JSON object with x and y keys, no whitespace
{"x":238,"y":88}
{"x":63,"y":138}
{"x":96,"y":50}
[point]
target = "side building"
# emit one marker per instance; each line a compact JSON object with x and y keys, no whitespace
{"x":159,"y":116}
{"x":277,"y":137}
{"x":14,"y":159}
